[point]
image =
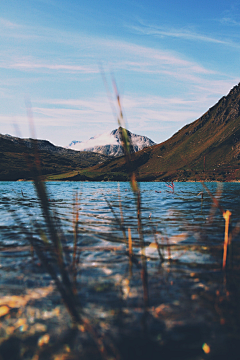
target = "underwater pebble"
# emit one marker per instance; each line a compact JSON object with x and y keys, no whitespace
{"x":43,"y":340}
{"x":38,"y":328}
{"x":10,"y":330}
{"x":107,"y":271}
{"x":49,"y":314}
{"x":20,"y":322}
{"x":23,"y":328}
{"x":176,"y":303}
{"x":4,"y":310}
{"x":206,"y":348}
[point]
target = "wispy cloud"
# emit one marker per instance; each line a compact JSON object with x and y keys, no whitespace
{"x":8,"y":24}
{"x":89,"y":116}
{"x":31,"y":65}
{"x":180,"y":33}
{"x":118,"y":55}
{"x":231,"y":15}
{"x":89,"y":50}
{"x":141,"y":111}
{"x":185,"y":88}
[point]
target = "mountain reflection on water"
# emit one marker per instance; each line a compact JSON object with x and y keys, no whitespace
{"x":186,"y":290}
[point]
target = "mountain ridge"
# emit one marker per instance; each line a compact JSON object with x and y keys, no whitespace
{"x":206,"y":149}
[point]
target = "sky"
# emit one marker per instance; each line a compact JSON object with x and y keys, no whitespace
{"x":171,"y":60}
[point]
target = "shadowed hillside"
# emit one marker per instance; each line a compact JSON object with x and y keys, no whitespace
{"x":54,"y":159}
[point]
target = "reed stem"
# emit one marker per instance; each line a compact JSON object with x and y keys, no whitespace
{"x":226,"y":216}
{"x":130,"y":250}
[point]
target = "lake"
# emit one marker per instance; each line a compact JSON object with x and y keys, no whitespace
{"x":193,"y":306}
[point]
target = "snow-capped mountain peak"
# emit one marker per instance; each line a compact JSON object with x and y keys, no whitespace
{"x":110,"y":143}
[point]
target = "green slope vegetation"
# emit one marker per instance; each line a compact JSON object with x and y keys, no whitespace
{"x":207,"y":149}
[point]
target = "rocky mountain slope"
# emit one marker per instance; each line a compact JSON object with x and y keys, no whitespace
{"x":110,"y":143}
{"x":206,"y":149}
{"x":54,"y":159}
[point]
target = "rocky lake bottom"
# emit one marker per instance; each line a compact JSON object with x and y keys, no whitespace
{"x":193,"y":309}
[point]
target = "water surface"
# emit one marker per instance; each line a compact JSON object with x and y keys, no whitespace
{"x":187,"y":279}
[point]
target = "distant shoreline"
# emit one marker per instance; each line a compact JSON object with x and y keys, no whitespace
{"x":125,"y":181}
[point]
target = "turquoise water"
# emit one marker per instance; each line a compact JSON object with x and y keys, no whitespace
{"x":166,"y":212}
{"x":182,"y":219}
{"x":187,"y":290}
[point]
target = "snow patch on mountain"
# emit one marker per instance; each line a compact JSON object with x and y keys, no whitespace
{"x":98,"y":140}
{"x":110,"y":143}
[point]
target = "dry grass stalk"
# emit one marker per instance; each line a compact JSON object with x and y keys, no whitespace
{"x":51,"y":245}
{"x":51,"y":242}
{"x":75,"y":231}
{"x":130,"y":250}
{"x":129,"y":156}
{"x":119,"y":221}
{"x":226,"y":216}
{"x":120,"y":205}
{"x":168,"y":249}
{"x":156,"y":241}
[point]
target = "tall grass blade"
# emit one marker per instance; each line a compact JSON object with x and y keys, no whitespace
{"x":126,"y":144}
{"x":75,"y":230}
{"x":51,"y":242}
{"x":119,"y":222}
{"x":130,"y":252}
{"x":226,"y":216}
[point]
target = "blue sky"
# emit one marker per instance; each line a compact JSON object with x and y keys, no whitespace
{"x":172,"y":60}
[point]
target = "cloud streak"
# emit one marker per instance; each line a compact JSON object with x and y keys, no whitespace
{"x":8,"y":24}
{"x":31,"y":65}
{"x":165,"y":89}
{"x":89,"y":50}
{"x":181,"y":33}
{"x":141,"y":111}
